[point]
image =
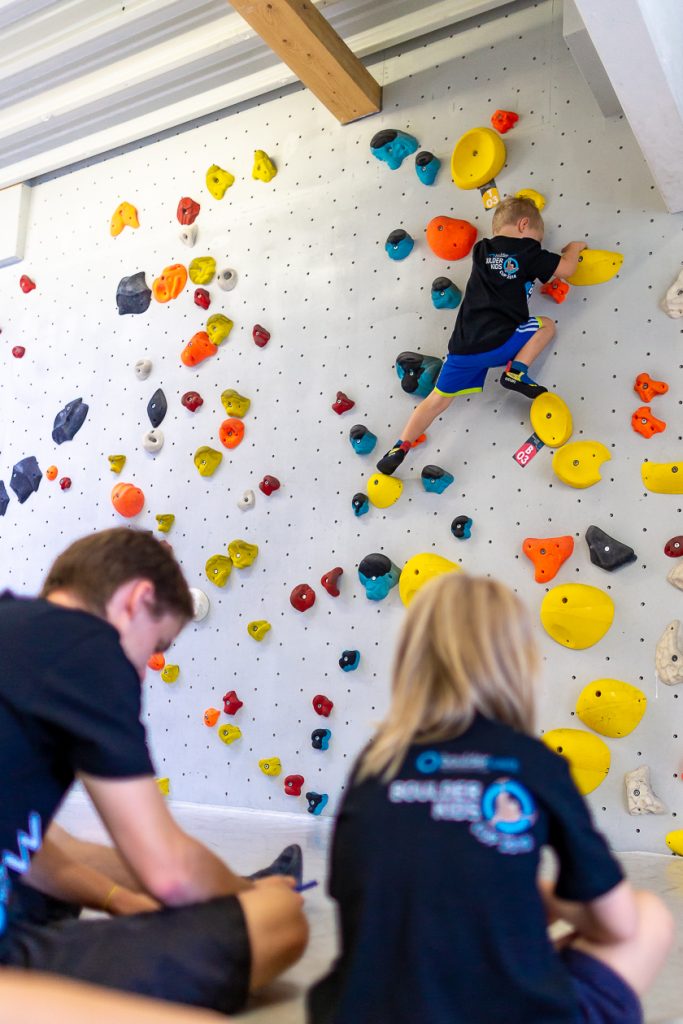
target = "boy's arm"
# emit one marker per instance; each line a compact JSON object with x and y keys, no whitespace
{"x":609,"y":918}
{"x":569,"y":259}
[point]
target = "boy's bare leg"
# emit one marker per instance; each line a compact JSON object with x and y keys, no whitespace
{"x":277,"y":927}
{"x":422,"y":417}
{"x":537,"y":342}
{"x":104,"y":859}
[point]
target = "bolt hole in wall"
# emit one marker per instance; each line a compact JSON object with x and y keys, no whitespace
{"x":308,"y":248}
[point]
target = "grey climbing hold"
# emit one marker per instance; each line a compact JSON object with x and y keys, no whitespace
{"x":132,"y":294}
{"x":606,"y":552}
{"x":157,"y":408}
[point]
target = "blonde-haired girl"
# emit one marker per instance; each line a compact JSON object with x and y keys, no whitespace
{"x":436,"y":849}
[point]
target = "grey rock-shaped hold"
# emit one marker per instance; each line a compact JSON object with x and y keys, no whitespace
{"x":132,"y":294}
{"x":4,"y":498}
{"x":69,"y":421}
{"x":606,"y":552}
{"x":26,"y":477}
{"x":157,"y":407}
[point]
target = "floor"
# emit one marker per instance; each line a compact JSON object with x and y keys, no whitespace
{"x":248,"y":840}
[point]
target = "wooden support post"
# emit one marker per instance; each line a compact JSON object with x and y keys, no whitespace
{"x":306,"y":42}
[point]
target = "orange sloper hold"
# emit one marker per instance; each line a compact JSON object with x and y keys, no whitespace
{"x":156,"y":662}
{"x":643,"y":422}
{"x":231,"y":432}
{"x":198,"y":348}
{"x":170,"y":283}
{"x":647,"y":388}
{"x":547,"y":554}
{"x":449,"y":238}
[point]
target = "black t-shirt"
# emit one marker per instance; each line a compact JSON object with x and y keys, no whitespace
{"x":69,"y":702}
{"x":496,"y":299}
{"x":435,"y":875}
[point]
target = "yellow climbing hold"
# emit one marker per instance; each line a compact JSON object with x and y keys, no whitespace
{"x":218,"y":569}
{"x":207,"y":460}
{"x":383,"y":490}
{"x":258,"y":629}
{"x":578,"y":463}
{"x":202,"y":269}
{"x":588,"y":756}
{"x":477,"y":158}
{"x":270,"y":765}
{"x":530,"y":193}
{"x":125,"y":216}
{"x":164,"y":786}
{"x":596,"y":266}
{"x":663,"y":477}
{"x":235,"y":404}
{"x":165,"y":522}
{"x":420,"y":569}
{"x":576,"y":615}
{"x":218,"y":327}
{"x":242,"y":553}
{"x":116,"y":463}
{"x":229,"y":733}
{"x":611,"y":707}
{"x":170,"y":673}
{"x":264,"y":169}
{"x":551,"y":419}
{"x":218,"y":181}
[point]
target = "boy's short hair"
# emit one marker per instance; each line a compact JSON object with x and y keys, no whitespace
{"x":512,"y":209}
{"x":94,"y":567}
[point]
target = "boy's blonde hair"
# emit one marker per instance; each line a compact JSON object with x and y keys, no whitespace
{"x":512,"y":209}
{"x":466,"y":645}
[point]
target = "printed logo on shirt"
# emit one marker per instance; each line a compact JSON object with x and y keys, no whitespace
{"x":429,"y":762}
{"x":501,"y":263}
{"x":20,"y":862}
{"x":508,"y":812}
{"x":528,"y":288}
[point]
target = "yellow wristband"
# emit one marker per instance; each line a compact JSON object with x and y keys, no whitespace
{"x":105,"y":905}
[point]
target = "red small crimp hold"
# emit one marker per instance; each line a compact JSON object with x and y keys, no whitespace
{"x":342,"y":403}
{"x":202,"y":298}
{"x":26,"y":284}
{"x":269,"y":484}
{"x":322,"y":705}
{"x":294,"y":784}
{"x":65,"y":483}
{"x":192,"y":400}
{"x":18,"y":351}
{"x":643,"y":422}
{"x":260,"y":335}
{"x":187,"y":211}
{"x":556,"y":289}
{"x":329,"y":581}
{"x":231,"y":703}
{"x":647,"y":388}
{"x":302,"y":597}
{"x":504,"y":120}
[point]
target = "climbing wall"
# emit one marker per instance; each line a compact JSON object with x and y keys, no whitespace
{"x":308,"y":248}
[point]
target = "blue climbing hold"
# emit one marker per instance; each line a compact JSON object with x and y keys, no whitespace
{"x":435,"y":479}
{"x":399,"y":244}
{"x":417,"y":373}
{"x":362,"y":440}
{"x":316,"y":802}
{"x":132,"y":294}
{"x":320,"y":739}
{"x":4,"y":498}
{"x":445,"y":294}
{"x":349,"y":661}
{"x":360,"y":504}
{"x":157,"y":407}
{"x":26,"y":477}
{"x":392,"y":146}
{"x":378,"y":575}
{"x":69,"y":421}
{"x":427,"y":167}
{"x":461,"y":527}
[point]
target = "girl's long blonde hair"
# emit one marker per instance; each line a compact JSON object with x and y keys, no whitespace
{"x":466,"y":645}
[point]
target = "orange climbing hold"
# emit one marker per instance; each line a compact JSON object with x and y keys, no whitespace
{"x":557,"y":289}
{"x":449,"y":238}
{"x":547,"y":554}
{"x":231,"y":432}
{"x":644,"y":423}
{"x":170,"y":283}
{"x":51,"y":472}
{"x":504,"y":120}
{"x":156,"y":662}
{"x":647,"y":388}
{"x":127,"y":499}
{"x":211,"y":716}
{"x":198,"y":348}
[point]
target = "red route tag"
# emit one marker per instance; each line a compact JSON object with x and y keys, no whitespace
{"x":527,"y":451}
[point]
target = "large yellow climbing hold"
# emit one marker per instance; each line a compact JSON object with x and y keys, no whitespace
{"x":218,"y":569}
{"x":125,"y":216}
{"x":596,"y":266}
{"x":270,"y":765}
{"x":551,"y":419}
{"x":578,"y":463}
{"x":218,"y":327}
{"x":663,"y":477}
{"x":202,"y":269}
{"x":576,"y":615}
{"x":477,"y":158}
{"x":383,"y":490}
{"x":588,"y":756}
{"x":170,"y":673}
{"x":264,"y":169}
{"x":420,"y":569}
{"x":218,"y":181}
{"x":611,"y":707}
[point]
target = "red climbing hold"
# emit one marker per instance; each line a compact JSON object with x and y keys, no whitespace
{"x":322,"y":705}
{"x":18,"y":351}
{"x":342,"y":403}
{"x":260,"y":335}
{"x":269,"y":484}
{"x":202,"y":298}
{"x":294,"y":784}
{"x":302,"y":597}
{"x":231,"y":703}
{"x":648,"y":388}
{"x":26,"y":284}
{"x":187,"y":211}
{"x":192,"y":400}
{"x":674,"y":547}
{"x":557,"y":289}
{"x":65,"y":483}
{"x":504,"y":120}
{"x":329,"y":581}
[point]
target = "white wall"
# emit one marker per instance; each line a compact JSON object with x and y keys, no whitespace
{"x":309,"y":251}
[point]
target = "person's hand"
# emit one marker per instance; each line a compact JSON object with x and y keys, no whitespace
{"x":577,"y":246}
{"x":123,"y":902}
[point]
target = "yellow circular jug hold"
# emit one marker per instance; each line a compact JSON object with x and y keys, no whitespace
{"x":588,"y":756}
{"x":383,"y":490}
{"x":551,"y":419}
{"x":420,"y":569}
{"x":611,"y":707}
{"x":576,"y":615}
{"x":478,"y":156}
{"x":578,"y":463}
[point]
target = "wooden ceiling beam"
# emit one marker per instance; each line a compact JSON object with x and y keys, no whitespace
{"x":306,"y":42}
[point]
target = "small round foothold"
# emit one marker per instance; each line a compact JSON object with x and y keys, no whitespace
{"x":322,"y":705}
{"x":258,"y":629}
{"x":202,"y":298}
{"x":427,"y":167}
{"x":260,"y":335}
{"x":231,"y":703}
{"x":316,"y":802}
{"x":192,"y":400}
{"x":153,"y":441}
{"x":156,"y":662}
{"x":200,"y":603}
{"x":349,"y":661}
{"x":674,"y":547}
{"x":302,"y":597}
{"x":26,"y":284}
{"x":293,"y":785}
{"x":270,"y":765}
{"x":226,"y":278}
{"x":320,"y":739}
{"x":360,"y":503}
{"x":188,"y":235}
{"x":143,"y":368}
{"x":342,"y":403}
{"x":461,"y":527}
{"x":504,"y":120}
{"x":51,"y":472}
{"x":399,"y":244}
{"x":269,"y":484}
{"x":362,"y":440}
{"x":247,"y":501}
{"x":18,"y":351}
{"x":170,"y":673}
{"x":231,"y":432}
{"x":65,"y":483}
{"x":211,"y":716}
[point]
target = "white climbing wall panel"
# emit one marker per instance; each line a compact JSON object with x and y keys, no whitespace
{"x":309,"y":251}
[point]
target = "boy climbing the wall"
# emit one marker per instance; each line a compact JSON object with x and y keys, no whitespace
{"x":493,"y":326}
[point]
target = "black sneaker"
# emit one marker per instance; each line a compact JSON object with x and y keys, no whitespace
{"x":390,"y":462}
{"x":290,"y":862}
{"x":514,"y":380}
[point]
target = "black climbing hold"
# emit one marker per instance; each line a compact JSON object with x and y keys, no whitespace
{"x":417,"y":373}
{"x":4,"y":498}
{"x":606,"y":552}
{"x":157,"y":408}
{"x":69,"y":421}
{"x":461,"y":527}
{"x":132,"y":294}
{"x":26,"y":477}
{"x":320,"y":739}
{"x":423,"y":158}
{"x":375,"y":565}
{"x":381,"y":138}
{"x":360,"y":503}
{"x":349,"y":660}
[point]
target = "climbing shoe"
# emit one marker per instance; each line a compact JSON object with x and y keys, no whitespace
{"x":519,"y":380}
{"x":290,"y":862}
{"x":390,"y":462}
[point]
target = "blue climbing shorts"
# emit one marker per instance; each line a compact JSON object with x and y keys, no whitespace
{"x":603,"y":996}
{"x":465,"y":375}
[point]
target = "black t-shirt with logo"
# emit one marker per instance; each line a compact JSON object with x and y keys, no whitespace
{"x":69,"y":702}
{"x":496,"y":299}
{"x":435,"y":874}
